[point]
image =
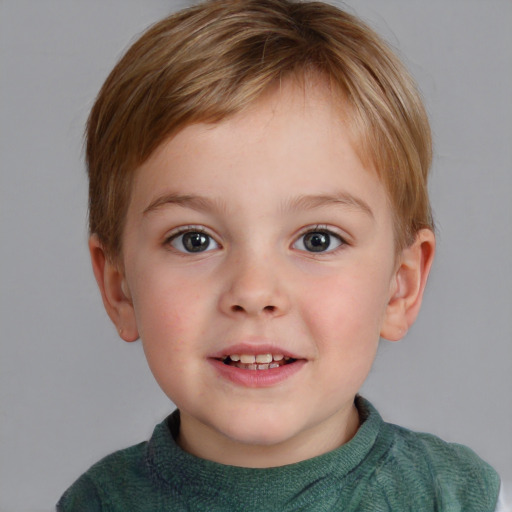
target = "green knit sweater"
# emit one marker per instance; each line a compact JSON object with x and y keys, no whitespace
{"x":383,"y":468}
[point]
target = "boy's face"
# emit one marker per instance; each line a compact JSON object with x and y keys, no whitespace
{"x":262,"y":234}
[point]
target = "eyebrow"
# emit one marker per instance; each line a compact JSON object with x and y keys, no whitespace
{"x":303,"y":202}
{"x":194,"y":202}
{"x":307,"y":202}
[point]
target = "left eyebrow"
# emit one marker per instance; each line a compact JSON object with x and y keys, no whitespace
{"x":342,"y":199}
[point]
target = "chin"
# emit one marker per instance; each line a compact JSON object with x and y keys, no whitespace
{"x":259,"y":431}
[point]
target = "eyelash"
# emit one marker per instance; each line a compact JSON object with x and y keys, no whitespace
{"x":324,"y":230}
{"x":180,"y":232}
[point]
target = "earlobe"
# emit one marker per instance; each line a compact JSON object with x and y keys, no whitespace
{"x":114,"y":291}
{"x":408,"y":286}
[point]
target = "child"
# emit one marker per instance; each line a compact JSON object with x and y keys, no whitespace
{"x":259,"y":217}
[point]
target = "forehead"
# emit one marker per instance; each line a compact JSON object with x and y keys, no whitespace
{"x":294,"y":140}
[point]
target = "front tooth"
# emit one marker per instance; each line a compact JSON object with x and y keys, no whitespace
{"x":247,"y":359}
{"x":235,"y":358}
{"x":278,"y":357}
{"x":264,"y":358}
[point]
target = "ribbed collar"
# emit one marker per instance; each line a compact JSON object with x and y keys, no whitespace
{"x":304,"y":482}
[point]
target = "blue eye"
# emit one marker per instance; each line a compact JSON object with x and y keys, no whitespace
{"x":193,"y":242}
{"x":318,"y":241}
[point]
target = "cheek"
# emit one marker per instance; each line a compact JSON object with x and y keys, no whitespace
{"x":346,"y":309}
{"x":343,"y":318}
{"x":166,"y":312}
{"x":169,"y":332}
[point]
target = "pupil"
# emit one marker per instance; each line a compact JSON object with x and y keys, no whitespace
{"x":195,"y":242}
{"x":317,"y":242}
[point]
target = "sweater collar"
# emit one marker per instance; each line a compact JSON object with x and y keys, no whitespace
{"x":173,"y":467}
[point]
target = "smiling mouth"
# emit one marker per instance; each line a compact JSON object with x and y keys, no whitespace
{"x":257,"y":362}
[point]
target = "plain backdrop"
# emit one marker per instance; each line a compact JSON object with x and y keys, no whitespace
{"x":71,"y":391}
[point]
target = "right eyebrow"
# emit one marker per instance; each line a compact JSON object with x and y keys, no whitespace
{"x":194,"y":202}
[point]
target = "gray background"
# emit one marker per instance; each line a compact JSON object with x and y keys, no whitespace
{"x":71,"y":391}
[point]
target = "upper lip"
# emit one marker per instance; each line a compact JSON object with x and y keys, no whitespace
{"x":253,"y":349}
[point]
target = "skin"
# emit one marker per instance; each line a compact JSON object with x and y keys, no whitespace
{"x":254,"y":185}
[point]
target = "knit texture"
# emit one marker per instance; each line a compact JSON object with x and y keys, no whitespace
{"x":383,"y":468}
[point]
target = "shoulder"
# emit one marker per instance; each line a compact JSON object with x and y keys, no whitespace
{"x":147,"y":476}
{"x":137,"y":478}
{"x":439,"y":456}
{"x":82,"y":495}
{"x":95,"y":489}
{"x":416,"y":471}
{"x":452,"y":474}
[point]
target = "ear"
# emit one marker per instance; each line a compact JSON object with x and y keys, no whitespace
{"x":114,"y":291}
{"x":408,"y":285}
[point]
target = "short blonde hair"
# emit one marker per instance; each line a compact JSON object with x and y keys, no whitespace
{"x":209,"y":61}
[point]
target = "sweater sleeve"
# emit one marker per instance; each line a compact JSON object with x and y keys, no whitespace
{"x":82,"y":496}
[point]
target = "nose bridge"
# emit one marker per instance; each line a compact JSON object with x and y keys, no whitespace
{"x":255,"y":285}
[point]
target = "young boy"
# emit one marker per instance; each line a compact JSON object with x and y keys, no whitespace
{"x":259,"y":218}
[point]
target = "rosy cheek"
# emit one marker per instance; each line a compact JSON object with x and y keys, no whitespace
{"x":342,"y":308}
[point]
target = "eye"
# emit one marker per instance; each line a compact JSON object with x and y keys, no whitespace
{"x":318,"y":241}
{"x":193,"y":242}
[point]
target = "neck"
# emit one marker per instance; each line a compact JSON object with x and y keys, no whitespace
{"x":205,"y":442}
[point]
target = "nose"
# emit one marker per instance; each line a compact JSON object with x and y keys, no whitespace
{"x":254,"y":288}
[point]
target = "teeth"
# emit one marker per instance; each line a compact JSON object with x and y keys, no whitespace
{"x":260,"y":366}
{"x":257,"y":361}
{"x":259,"y":358}
{"x":264,"y":358}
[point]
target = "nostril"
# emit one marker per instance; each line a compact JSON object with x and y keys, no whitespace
{"x":238,"y":309}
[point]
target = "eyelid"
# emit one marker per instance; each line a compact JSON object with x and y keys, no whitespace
{"x":191,"y":228}
{"x":183,"y":229}
{"x":326,"y":228}
{"x":322,"y":228}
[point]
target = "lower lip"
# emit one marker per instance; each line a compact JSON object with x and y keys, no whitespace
{"x":257,"y":378}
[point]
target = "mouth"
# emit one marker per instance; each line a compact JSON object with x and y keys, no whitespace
{"x":263,"y":367}
{"x":257,"y":362}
